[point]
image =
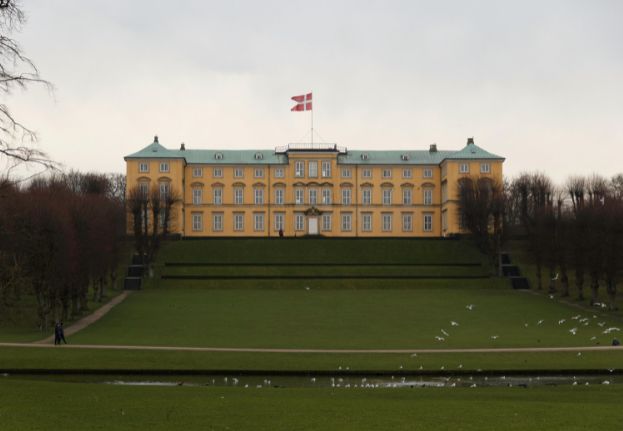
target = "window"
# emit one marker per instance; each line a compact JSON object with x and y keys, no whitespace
{"x":366,"y":222}
{"x":299,"y":197}
{"x":165,"y":189}
{"x":279,"y":173}
{"x":258,"y":222}
{"x":463,"y":168}
{"x":387,"y":173}
{"x":299,"y":221}
{"x":299,"y":168}
{"x":279,"y":217}
{"x":346,"y":222}
{"x":326,"y":222}
{"x":238,"y":221}
{"x":259,"y":156}
{"x":428,"y":222}
{"x":217,"y":172}
{"x":407,"y":173}
{"x":428,"y":197}
{"x":313,"y":169}
{"x":258,"y":196}
{"x":313,"y":196}
{"x":143,"y":188}
{"x":218,"y":195}
{"x":428,"y":173}
{"x":218,"y":156}
{"x":485,"y":168}
{"x":407,"y":222}
{"x":143,"y":167}
{"x":217,"y":222}
{"x":387,"y":222}
{"x":279,"y":196}
{"x":366,"y":173}
{"x":346,"y":196}
{"x":326,"y":196}
{"x":238,"y":172}
{"x":259,"y":172}
{"x":238,"y":195}
{"x":346,"y":173}
{"x":326,"y":168}
{"x":164,"y":166}
{"x":387,"y":196}
{"x":197,"y":222}
{"x":197,"y":172}
{"x":366,"y":196}
{"x":406,"y":196}
{"x":197,"y":196}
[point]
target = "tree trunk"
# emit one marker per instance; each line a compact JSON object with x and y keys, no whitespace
{"x":539,"y":282}
{"x":564,"y":283}
{"x":594,"y":288}
{"x":579,"y":283}
{"x":552,"y":282}
{"x":611,"y":287}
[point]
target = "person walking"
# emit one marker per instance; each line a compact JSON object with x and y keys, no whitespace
{"x":57,"y":333}
{"x":61,"y":333}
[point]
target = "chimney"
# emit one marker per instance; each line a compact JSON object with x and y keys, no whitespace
{"x":156,"y":139}
{"x":470,"y":141}
{"x":433,"y":148}
{"x":182,"y":147}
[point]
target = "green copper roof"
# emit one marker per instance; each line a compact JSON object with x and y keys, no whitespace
{"x":238,"y":157}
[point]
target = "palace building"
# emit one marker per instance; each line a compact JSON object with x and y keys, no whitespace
{"x":311,"y":189}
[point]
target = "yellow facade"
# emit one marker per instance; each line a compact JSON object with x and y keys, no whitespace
{"x":309,"y":190}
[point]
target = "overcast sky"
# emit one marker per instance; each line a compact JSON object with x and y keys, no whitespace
{"x":538,"y":82}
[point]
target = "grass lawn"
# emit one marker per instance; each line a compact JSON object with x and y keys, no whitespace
{"x":34,"y":405}
{"x":344,"y":318}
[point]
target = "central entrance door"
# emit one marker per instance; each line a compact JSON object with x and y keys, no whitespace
{"x":312,"y":225}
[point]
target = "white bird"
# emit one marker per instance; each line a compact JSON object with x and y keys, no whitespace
{"x":438,"y":338}
{"x":460,"y":365}
{"x":470,"y":307}
{"x":306,"y":287}
{"x":473,"y":385}
{"x":313,"y":379}
{"x":576,"y":317}
{"x":605,"y":382}
{"x":612,"y":329}
{"x":494,"y":337}
{"x":453,"y":323}
{"x":443,"y":367}
{"x":575,"y":383}
{"x":561,"y":321}
{"x":573,"y":331}
{"x":525,"y":325}
{"x":593,"y":338}
{"x":579,"y":353}
{"x":540,"y":322}
{"x":585,"y":319}
{"x":414,"y":355}
{"x":551,"y":296}
{"x":445,"y":333}
{"x":555,"y":277}
{"x":601,"y":324}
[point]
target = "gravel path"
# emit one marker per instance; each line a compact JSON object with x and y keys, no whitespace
{"x":87,"y":320}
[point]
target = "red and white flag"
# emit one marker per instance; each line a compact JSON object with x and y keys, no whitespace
{"x":303,"y":102}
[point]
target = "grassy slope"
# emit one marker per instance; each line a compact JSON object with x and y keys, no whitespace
{"x":80,"y":406}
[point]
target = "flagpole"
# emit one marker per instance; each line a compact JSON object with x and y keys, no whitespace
{"x":312,"y":118}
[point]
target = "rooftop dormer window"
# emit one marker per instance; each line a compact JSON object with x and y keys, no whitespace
{"x":259,"y":156}
{"x":218,"y":156}
{"x":364,"y":156}
{"x":404,"y":157}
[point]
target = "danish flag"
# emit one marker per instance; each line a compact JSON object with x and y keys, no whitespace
{"x":303,"y":102}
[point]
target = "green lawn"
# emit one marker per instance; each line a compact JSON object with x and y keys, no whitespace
{"x":34,"y":405}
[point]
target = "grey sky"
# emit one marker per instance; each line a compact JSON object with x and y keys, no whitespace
{"x":538,"y":82}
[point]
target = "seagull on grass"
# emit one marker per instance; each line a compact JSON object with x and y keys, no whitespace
{"x":445,"y":333}
{"x":438,"y":338}
{"x":453,"y":323}
{"x":470,"y":307}
{"x":573,"y":331}
{"x":609,"y":330}
{"x":494,"y":337}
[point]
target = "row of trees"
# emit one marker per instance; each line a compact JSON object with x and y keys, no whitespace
{"x":59,"y":236}
{"x":572,"y":229}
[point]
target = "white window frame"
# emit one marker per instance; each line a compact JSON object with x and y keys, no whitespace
{"x":258,"y":173}
{"x":387,"y":222}
{"x":258,"y":196}
{"x":346,"y":222}
{"x":326,"y":222}
{"x":197,"y":222}
{"x":217,"y":195}
{"x":238,"y":222}
{"x":407,"y":222}
{"x":347,"y":196}
{"x":238,"y":172}
{"x":299,"y":168}
{"x":279,"y":195}
{"x":164,"y":167}
{"x":165,"y":190}
{"x":217,"y":172}
{"x":347,"y":173}
{"x":366,"y":173}
{"x":407,"y":196}
{"x":326,"y":169}
{"x":312,"y":167}
{"x":299,"y":222}
{"x":485,"y":168}
{"x":279,"y":173}
{"x":326,"y":196}
{"x":258,"y":222}
{"x":407,"y":173}
{"x":427,"y":173}
{"x":279,"y":221}
{"x":143,"y":167}
{"x":427,"y":222}
{"x":387,"y":196}
{"x":197,"y":196}
{"x":217,"y":222}
{"x":366,"y":222}
{"x":238,"y":195}
{"x":143,"y":187}
{"x":366,"y":196}
{"x":464,"y":168}
{"x":387,"y":173}
{"x":299,"y":196}
{"x":428,"y":196}
{"x":197,"y":172}
{"x":313,"y":196}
